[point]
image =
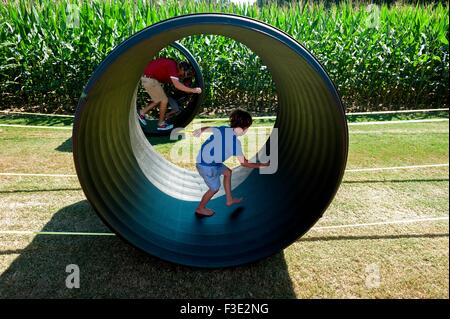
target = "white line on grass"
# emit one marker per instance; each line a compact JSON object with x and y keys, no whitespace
{"x":394,"y":168}
{"x":38,"y":175}
{"x":70,"y":127}
{"x":397,"y":132}
{"x":36,"y":114}
{"x":399,"y":111}
{"x":256,"y":117}
{"x":396,"y":122}
{"x":348,"y":170}
{"x":38,"y":126}
{"x":30,"y":232}
{"x":347,"y":114}
{"x":357,"y":123}
{"x":392,"y":222}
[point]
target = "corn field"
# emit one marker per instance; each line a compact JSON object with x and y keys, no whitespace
{"x":380,"y":56}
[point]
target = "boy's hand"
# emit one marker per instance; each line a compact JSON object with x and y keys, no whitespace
{"x":197,"y":132}
{"x":197,"y":90}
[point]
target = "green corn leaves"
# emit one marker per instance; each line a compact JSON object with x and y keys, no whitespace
{"x":379,"y":56}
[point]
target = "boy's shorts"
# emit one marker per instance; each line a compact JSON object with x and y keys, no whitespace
{"x":154,"y":89}
{"x":211,"y":175}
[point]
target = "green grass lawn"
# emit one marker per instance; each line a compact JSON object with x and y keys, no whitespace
{"x":412,"y":260}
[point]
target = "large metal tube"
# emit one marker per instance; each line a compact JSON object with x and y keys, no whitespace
{"x":150,"y":202}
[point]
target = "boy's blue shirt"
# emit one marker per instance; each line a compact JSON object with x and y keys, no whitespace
{"x":221,"y":145}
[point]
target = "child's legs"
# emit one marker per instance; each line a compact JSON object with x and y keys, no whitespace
{"x":227,"y":183}
{"x":157,"y":94}
{"x":162,"y":110}
{"x":174,"y":107}
{"x":227,"y":186}
{"x":212,"y":179}
{"x":206,"y":198}
{"x":149,"y":107}
{"x":168,"y":115}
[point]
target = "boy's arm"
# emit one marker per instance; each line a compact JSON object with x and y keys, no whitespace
{"x":199,"y":131}
{"x":244,"y":162}
{"x":180,"y":86}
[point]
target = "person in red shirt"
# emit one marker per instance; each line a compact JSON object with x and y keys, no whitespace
{"x":157,"y":72}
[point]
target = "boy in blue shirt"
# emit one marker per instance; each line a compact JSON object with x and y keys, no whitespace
{"x":220,"y":146}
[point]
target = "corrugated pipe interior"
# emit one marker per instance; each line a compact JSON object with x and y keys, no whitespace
{"x":150,"y":202}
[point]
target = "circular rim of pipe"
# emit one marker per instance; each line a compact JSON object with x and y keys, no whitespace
{"x":270,"y":31}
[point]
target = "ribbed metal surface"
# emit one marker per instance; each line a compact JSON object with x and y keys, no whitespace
{"x":150,"y":202}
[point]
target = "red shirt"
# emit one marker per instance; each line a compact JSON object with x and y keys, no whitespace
{"x":162,"y":69}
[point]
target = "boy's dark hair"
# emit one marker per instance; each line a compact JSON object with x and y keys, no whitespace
{"x":186,"y":67}
{"x":240,"y":118}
